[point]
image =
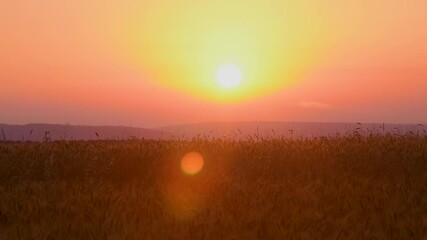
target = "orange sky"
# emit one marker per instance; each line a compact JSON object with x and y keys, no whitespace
{"x":153,"y":63}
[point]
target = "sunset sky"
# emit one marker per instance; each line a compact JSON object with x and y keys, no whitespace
{"x":153,"y":63}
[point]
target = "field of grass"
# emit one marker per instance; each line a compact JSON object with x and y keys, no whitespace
{"x":353,"y":187}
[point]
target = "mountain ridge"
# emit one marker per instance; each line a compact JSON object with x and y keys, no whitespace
{"x":238,"y":130}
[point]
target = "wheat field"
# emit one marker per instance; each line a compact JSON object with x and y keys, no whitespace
{"x":348,"y":187}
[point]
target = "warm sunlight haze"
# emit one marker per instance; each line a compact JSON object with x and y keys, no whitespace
{"x":126,"y":62}
{"x":213,"y":119}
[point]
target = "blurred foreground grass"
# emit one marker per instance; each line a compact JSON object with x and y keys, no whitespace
{"x":353,"y":187}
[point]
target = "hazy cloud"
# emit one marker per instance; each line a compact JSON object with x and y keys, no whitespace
{"x":314,"y":105}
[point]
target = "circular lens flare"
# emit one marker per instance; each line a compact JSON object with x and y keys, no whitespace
{"x":192,"y":163}
{"x":229,"y":76}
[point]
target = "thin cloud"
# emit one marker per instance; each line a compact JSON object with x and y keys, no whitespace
{"x":314,"y":105}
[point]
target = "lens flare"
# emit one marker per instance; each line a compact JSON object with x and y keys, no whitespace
{"x":192,"y":163}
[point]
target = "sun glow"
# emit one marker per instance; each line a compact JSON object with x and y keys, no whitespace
{"x":229,"y":76}
{"x":188,"y":48}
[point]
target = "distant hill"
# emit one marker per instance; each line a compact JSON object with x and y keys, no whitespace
{"x":236,"y":130}
{"x":287,"y":129}
{"x":38,"y":132}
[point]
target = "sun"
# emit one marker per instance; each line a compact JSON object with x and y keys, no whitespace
{"x":228,"y":76}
